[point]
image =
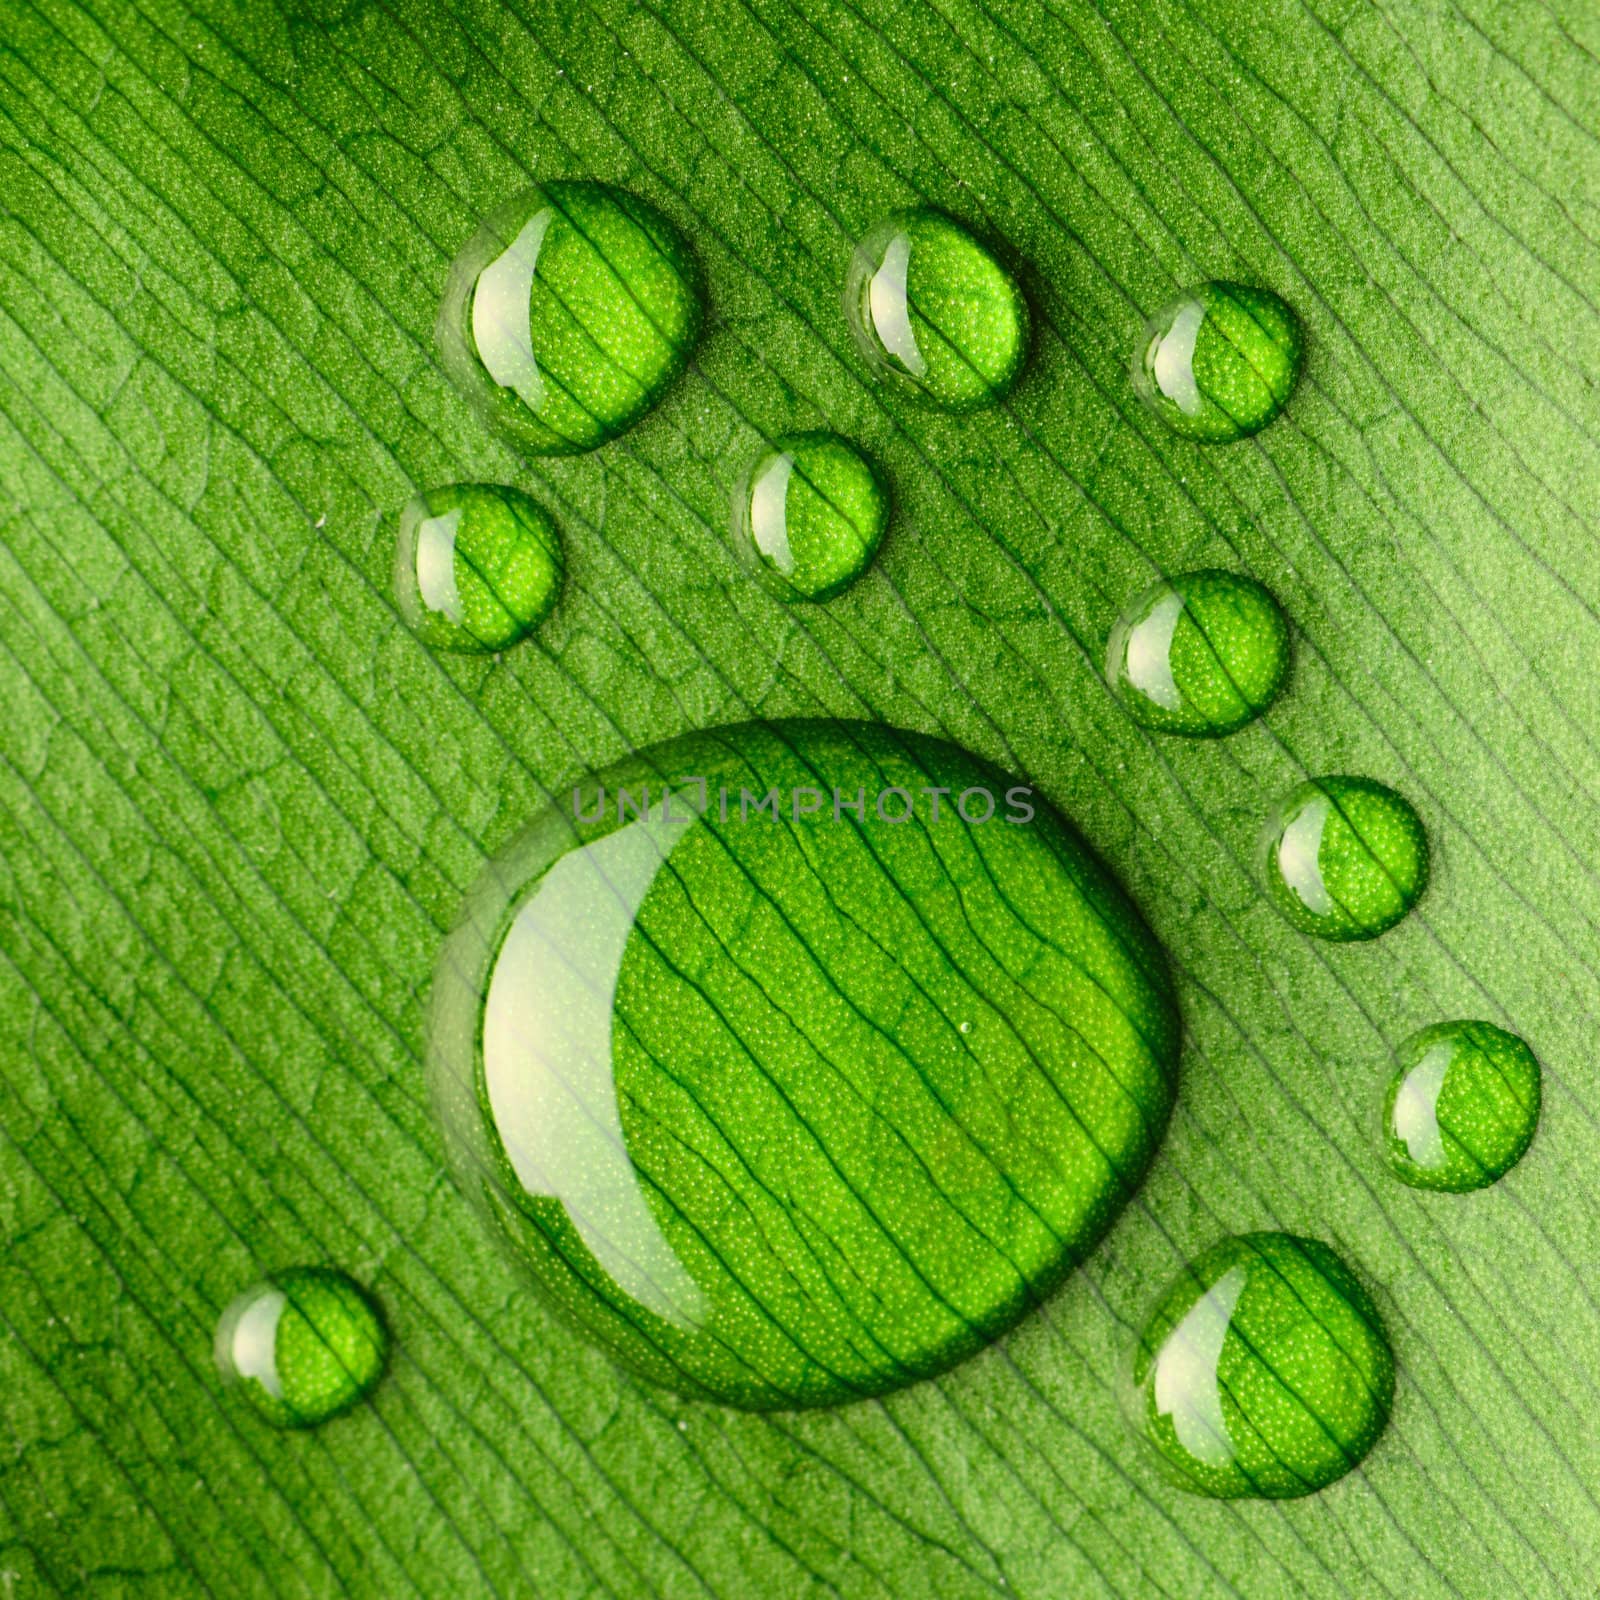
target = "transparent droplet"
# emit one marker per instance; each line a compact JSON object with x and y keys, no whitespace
{"x":303,"y":1345}
{"x":1200,"y":654}
{"x":1462,"y":1106}
{"x":809,"y":516}
{"x":568,"y":314}
{"x":1220,"y":362}
{"x":932,"y":308}
{"x":1264,"y":1370}
{"x":477,"y":566}
{"x":1347,"y":858}
{"x":697,"y":1049}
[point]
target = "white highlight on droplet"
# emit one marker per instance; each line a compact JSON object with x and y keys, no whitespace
{"x":547,"y":1054}
{"x":502,"y":301}
{"x":769,"y":512}
{"x":247,"y":1337}
{"x":890,"y":308}
{"x":1148,"y":657}
{"x":1187,"y":1386}
{"x":436,"y":565}
{"x":1299,"y":856}
{"x":1416,"y":1106}
{"x":1171,"y":358}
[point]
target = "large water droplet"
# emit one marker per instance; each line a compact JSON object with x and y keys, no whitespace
{"x":699,"y":1047}
{"x":809,"y":516}
{"x":302,"y":1346}
{"x":932,"y":308}
{"x":1264,"y":1370}
{"x":1200,"y":654}
{"x":1347,"y":858}
{"x":1462,"y":1106}
{"x":477,"y":566}
{"x":567,"y":315}
{"x":1220,"y":362}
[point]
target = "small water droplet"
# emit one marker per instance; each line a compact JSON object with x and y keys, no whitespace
{"x":1462,"y":1106}
{"x":809,"y":516}
{"x":477,"y":566}
{"x":1220,"y":362}
{"x":303,"y":1345}
{"x":1347,"y":858}
{"x":1200,"y":654}
{"x":1263,"y":1371}
{"x":568,"y":314}
{"x":691,"y":1048}
{"x":930,"y":307}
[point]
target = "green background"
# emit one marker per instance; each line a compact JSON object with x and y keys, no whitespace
{"x":238,"y":801}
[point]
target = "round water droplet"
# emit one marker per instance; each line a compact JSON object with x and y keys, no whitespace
{"x":477,"y":566}
{"x":697,"y":1048}
{"x":932,"y":308}
{"x":1462,"y":1106}
{"x":303,"y":1345}
{"x":1348,"y":858}
{"x":567,"y":315}
{"x":809,"y":516}
{"x":1220,"y":362}
{"x":1200,"y":654}
{"x":1265,"y":1370}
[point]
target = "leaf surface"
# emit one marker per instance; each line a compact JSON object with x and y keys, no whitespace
{"x":239,"y":801}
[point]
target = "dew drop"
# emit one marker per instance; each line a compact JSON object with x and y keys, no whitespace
{"x":931,"y":308}
{"x":303,"y":1345}
{"x":568,"y":314}
{"x":692,"y":1049}
{"x":809,"y":516}
{"x":1220,"y":362}
{"x":1347,"y":858}
{"x":1263,"y":1371}
{"x":477,"y":566}
{"x":1462,"y":1106}
{"x":1200,"y":654}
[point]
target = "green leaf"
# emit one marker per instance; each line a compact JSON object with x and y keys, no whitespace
{"x":239,"y":800}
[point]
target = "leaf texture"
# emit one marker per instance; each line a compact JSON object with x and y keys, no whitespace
{"x":239,"y":802}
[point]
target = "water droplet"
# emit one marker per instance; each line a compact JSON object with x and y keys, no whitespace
{"x":697,"y":1049}
{"x":809,"y":516}
{"x":1220,"y":362}
{"x":1462,"y":1106}
{"x":1200,"y":654}
{"x":567,"y":315}
{"x":1264,"y":1370}
{"x":932,"y":308}
{"x":477,"y":566}
{"x":1347,"y":858}
{"x":303,"y":1345}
